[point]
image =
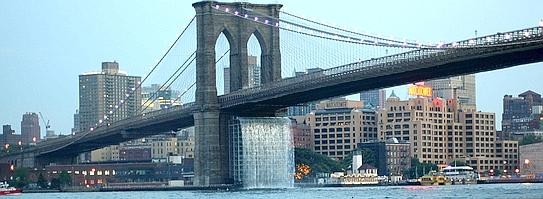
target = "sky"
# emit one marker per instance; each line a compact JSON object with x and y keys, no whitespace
{"x":45,"y":45}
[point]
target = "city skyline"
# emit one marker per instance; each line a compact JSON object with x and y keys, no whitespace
{"x":43,"y":53}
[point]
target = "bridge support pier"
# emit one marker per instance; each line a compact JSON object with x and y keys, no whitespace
{"x":212,"y":153}
{"x":211,"y":164}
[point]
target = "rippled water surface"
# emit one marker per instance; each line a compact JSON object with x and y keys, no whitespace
{"x":493,"y":191}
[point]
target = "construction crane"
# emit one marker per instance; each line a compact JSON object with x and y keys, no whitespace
{"x":47,"y":126}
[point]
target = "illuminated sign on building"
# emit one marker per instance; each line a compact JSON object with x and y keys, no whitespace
{"x":419,"y":90}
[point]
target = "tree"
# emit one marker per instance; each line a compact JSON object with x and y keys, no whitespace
{"x":317,"y":162}
{"x":64,"y":179}
{"x":20,"y":177}
{"x":42,"y":183}
{"x":530,"y":139}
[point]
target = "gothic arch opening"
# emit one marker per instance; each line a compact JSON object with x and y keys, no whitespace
{"x":255,"y":50}
{"x":222,"y":60}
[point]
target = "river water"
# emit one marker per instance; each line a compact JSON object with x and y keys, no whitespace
{"x":492,"y":191}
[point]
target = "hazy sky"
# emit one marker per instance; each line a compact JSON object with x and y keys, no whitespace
{"x":45,"y":45}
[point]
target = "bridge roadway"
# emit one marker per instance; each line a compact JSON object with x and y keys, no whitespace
{"x":486,"y":53}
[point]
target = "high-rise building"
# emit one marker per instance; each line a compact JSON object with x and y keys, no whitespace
{"x":253,"y":74}
{"x":30,"y":128}
{"x":106,"y":97}
{"x":339,"y":125}
{"x":522,"y":113}
{"x":375,"y":98}
{"x":439,"y":132}
{"x":226,"y":82}
{"x":9,"y":137}
{"x":77,"y":123}
{"x":254,"y":71}
{"x":461,"y":88}
{"x":156,"y":98}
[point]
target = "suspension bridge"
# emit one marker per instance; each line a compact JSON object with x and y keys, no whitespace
{"x":225,"y":35}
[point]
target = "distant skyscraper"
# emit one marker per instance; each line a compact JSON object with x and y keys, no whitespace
{"x":522,"y":113}
{"x":461,"y":87}
{"x":107,"y":96}
{"x":226,"y":80}
{"x":30,"y":128}
{"x":100,"y":95}
{"x":376,"y":98}
{"x":8,"y":136}
{"x":77,"y":127}
{"x":254,"y":71}
{"x":155,"y":98}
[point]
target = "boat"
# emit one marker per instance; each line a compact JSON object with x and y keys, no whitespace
{"x":434,"y":178}
{"x":5,"y":189}
{"x":461,"y":174}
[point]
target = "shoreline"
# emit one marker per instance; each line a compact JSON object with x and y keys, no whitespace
{"x":237,"y":188}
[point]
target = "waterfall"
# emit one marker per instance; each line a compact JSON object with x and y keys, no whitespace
{"x":262,"y":152}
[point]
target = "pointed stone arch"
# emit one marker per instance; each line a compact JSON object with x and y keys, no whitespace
{"x":211,"y":165}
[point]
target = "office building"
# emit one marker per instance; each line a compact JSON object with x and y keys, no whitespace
{"x":254,"y":71}
{"x":440,"y":131}
{"x":254,"y":75}
{"x":8,"y":137}
{"x":375,"y":98}
{"x":522,"y":113}
{"x":392,"y":156}
{"x":339,"y":125}
{"x":185,"y":143}
{"x":155,"y":98}
{"x":301,"y":133}
{"x":76,"y":129}
{"x":30,"y":128}
{"x":461,"y":88}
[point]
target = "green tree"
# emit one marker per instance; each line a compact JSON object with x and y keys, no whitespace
{"x":42,"y":183}
{"x":530,"y":139}
{"x":64,"y":179}
{"x":319,"y":163}
{"x":20,"y":177}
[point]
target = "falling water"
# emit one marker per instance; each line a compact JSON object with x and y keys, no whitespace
{"x":262,"y":152}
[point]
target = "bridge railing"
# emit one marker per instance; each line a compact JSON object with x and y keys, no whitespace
{"x":424,"y":54}
{"x":43,"y":146}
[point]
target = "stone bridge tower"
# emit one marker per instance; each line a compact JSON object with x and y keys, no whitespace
{"x":212,"y":164}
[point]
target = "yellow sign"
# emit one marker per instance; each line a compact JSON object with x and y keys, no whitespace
{"x":420,"y":91}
